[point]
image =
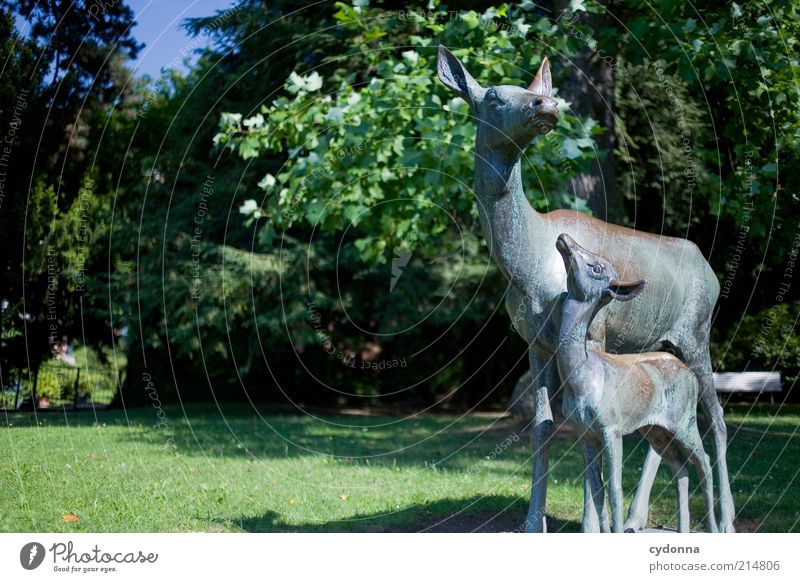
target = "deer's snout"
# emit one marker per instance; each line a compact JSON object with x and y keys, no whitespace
{"x":565,"y":245}
{"x":542,"y":112}
{"x":543,"y":106}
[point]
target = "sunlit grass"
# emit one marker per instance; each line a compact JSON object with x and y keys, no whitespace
{"x":233,"y":471}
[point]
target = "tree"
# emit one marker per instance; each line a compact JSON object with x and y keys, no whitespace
{"x":720,"y":143}
{"x":53,"y":221}
{"x":379,"y":164}
{"x":20,"y":106}
{"x":296,"y":211}
{"x":588,"y":84}
{"x":81,"y":41}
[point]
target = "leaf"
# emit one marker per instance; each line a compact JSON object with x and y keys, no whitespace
{"x":309,"y":83}
{"x":249,"y":207}
{"x":295,"y":83}
{"x":313,"y":81}
{"x":374,"y":34}
{"x":227,"y":119}
{"x":411,"y":56}
{"x":571,"y":148}
{"x":267,"y":182}
{"x":71,"y":518}
{"x":255,"y":121}
{"x":346,"y":14}
{"x":471,"y":19}
{"x":769,"y":169}
{"x":248,"y":148}
{"x":577,"y":5}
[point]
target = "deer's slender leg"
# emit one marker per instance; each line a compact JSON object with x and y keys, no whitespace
{"x":706,"y":482}
{"x":595,"y":518}
{"x":677,"y":465}
{"x":613,"y":454}
{"x":712,"y":408}
{"x":639,"y":511}
{"x":694,"y":446}
{"x":541,"y":431}
{"x":682,"y":488}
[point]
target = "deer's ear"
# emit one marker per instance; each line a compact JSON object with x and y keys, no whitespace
{"x":543,"y":83}
{"x":453,"y":74}
{"x":622,"y":291}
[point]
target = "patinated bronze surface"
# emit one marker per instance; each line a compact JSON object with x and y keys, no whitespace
{"x":672,"y":314}
{"x":611,"y":395}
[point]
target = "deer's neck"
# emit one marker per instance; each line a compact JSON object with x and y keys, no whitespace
{"x":497,"y":173}
{"x":572,"y":356}
{"x":508,"y":221}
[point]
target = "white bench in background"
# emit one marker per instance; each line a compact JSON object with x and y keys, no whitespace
{"x":750,"y":382}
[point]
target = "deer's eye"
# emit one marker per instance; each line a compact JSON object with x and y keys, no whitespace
{"x":494,"y":98}
{"x":597,"y":268}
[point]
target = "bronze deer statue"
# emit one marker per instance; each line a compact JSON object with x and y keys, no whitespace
{"x":611,"y":395}
{"x":673,"y":314}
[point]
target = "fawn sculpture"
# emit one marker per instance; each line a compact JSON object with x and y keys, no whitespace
{"x":674,"y":314}
{"x":612,"y":395}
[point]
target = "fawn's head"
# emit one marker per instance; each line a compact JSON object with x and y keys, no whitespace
{"x":592,"y":278}
{"x":508,"y":117}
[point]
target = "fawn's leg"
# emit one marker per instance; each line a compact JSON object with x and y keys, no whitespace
{"x":595,"y":518}
{"x":640,"y":506}
{"x":613,"y":453}
{"x":544,"y":382}
{"x":678,"y":466}
{"x":694,"y":447}
{"x":682,"y":488}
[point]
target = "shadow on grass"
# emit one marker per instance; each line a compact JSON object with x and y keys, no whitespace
{"x":763,"y":457}
{"x":446,"y":441}
{"x":485,"y":514}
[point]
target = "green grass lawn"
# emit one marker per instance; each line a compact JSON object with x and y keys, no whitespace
{"x":240,"y":470}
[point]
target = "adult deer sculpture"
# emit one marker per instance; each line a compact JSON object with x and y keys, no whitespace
{"x":673,"y":314}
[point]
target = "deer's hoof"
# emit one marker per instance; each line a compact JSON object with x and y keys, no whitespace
{"x":635,"y":523}
{"x":535,"y":526}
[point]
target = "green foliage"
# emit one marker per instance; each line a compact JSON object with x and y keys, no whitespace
{"x":389,"y":154}
{"x":77,"y":39}
{"x":734,"y":70}
{"x":357,"y":157}
{"x":93,"y":376}
{"x":653,"y":162}
{"x":342,"y":226}
{"x":18,"y":108}
{"x":372,"y":161}
{"x":28,"y":290}
{"x":54,"y":222}
{"x":765,"y":340}
{"x":709,"y":125}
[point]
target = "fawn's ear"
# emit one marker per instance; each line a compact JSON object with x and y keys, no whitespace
{"x":455,"y":75}
{"x":543,"y":83}
{"x":624,"y":291}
